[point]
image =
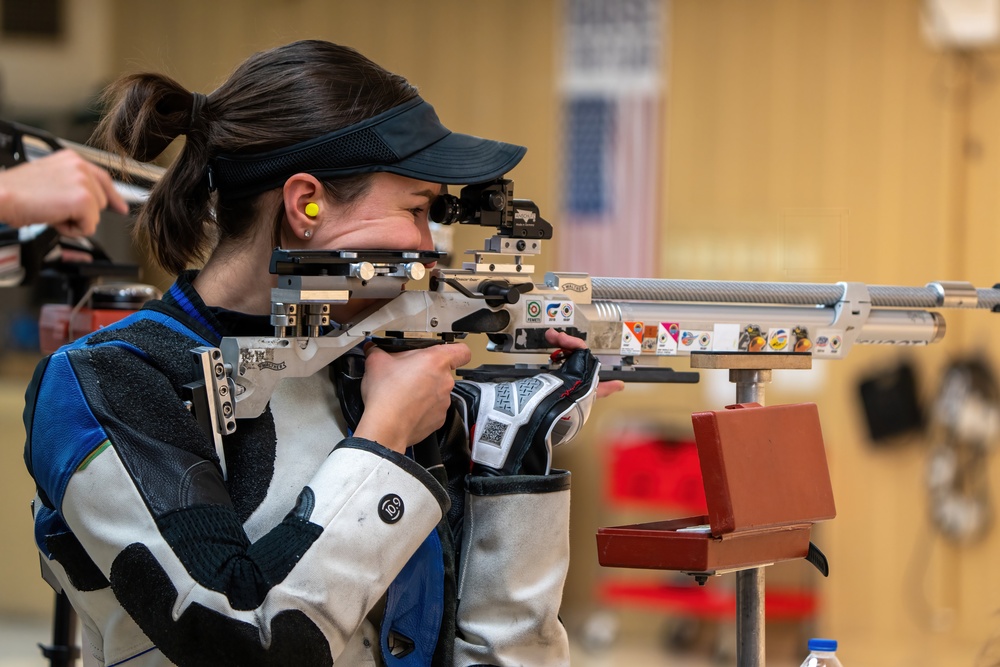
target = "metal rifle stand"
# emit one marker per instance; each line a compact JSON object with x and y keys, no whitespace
{"x":63,"y":652}
{"x":750,"y":371}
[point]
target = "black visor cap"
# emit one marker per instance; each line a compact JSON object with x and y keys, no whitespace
{"x":408,"y":140}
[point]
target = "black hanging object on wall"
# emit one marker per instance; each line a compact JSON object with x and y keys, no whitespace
{"x":891,"y":403}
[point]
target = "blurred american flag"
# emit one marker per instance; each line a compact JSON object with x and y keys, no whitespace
{"x":612,"y":118}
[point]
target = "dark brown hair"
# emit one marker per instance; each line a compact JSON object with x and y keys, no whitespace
{"x":275,"y":98}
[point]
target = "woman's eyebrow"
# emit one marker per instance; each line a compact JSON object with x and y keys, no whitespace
{"x":430,"y":194}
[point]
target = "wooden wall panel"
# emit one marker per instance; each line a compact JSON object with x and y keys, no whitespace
{"x":830,"y":139}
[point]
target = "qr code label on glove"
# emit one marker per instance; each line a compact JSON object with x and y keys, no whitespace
{"x":493,"y":432}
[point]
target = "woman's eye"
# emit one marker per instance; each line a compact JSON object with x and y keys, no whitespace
{"x":417,"y":212}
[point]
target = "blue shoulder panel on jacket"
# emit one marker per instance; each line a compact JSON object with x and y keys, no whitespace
{"x":64,"y":431}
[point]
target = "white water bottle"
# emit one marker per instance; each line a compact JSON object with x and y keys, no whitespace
{"x":822,"y":653}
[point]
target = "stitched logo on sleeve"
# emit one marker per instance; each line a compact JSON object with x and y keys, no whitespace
{"x":390,"y":508}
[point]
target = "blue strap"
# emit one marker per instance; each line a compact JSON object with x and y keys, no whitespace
{"x":414,"y":605}
{"x":47,"y":522}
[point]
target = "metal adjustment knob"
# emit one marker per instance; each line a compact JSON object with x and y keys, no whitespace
{"x":414,"y":270}
{"x":363,"y":270}
{"x":284,"y":314}
{"x":317,"y":315}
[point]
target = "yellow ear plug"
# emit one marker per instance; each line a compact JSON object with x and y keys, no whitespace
{"x":312,"y":209}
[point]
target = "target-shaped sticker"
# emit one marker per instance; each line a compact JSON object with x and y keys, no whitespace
{"x":533,"y":311}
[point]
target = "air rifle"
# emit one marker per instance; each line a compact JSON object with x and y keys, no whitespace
{"x":633,"y":325}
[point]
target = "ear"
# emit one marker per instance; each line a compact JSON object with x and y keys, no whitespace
{"x":298,"y":191}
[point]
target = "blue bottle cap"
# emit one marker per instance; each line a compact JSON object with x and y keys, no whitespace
{"x":828,"y":645}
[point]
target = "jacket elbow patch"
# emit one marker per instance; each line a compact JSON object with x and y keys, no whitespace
{"x":211,"y":543}
{"x":205,"y":638}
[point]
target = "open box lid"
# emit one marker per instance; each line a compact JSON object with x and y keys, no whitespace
{"x":763,"y":466}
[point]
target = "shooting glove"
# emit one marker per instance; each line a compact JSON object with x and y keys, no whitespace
{"x":515,"y":425}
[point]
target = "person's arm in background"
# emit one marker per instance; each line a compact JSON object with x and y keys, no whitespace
{"x":61,"y":189}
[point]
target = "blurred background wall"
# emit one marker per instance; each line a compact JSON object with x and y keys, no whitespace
{"x":813,"y":141}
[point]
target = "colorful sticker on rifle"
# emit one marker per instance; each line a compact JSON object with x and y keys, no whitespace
{"x":827,"y":342}
{"x":751,"y":339}
{"x":777,"y":339}
{"x":632,"y":334}
{"x":666,"y":338}
{"x":649,"y":334}
{"x":533,"y":311}
{"x":559,"y":313}
{"x":802,"y":340}
{"x":695,"y":340}
{"x":726,"y":338}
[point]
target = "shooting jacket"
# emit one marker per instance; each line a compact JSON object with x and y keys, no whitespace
{"x":318,"y":547}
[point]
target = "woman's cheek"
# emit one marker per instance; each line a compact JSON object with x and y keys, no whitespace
{"x":407,"y":237}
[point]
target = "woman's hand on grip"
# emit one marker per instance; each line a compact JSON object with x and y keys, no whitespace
{"x":407,"y":394}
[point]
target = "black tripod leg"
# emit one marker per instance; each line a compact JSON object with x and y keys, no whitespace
{"x":63,"y":652}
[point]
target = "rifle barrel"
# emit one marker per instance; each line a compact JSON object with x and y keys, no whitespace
{"x":934,"y":295}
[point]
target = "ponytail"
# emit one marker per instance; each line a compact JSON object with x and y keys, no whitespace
{"x":146,"y":112}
